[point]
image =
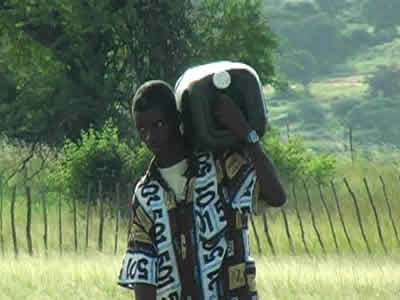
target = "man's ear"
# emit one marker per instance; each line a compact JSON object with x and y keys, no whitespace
{"x":179,"y":121}
{"x":179,"y":117}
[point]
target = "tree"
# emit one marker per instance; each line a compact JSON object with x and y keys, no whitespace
{"x":332,"y":7}
{"x":382,"y":15}
{"x":72,"y":64}
{"x":318,"y":34}
{"x":78,"y":62}
{"x":300,"y":66}
{"x":238,"y":31}
{"x":385,"y":82}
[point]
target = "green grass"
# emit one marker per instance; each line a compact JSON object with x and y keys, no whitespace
{"x":354,"y":173}
{"x":330,"y":278}
{"x":334,"y":96}
{"x":94,"y":277}
{"x":69,"y":277}
{"x":91,"y":274}
{"x":68,"y":245}
{"x":385,"y":54}
{"x":338,"y":88}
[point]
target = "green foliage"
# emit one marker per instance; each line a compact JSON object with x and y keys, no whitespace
{"x":312,"y":44}
{"x":237,"y":31}
{"x":76,"y":63}
{"x":385,"y":82}
{"x":342,"y":107}
{"x":299,"y":65}
{"x":294,"y":160}
{"x":301,"y":7}
{"x":100,"y":155}
{"x":332,"y":7}
{"x":358,"y":38}
{"x":374,"y":119}
{"x":381,"y":15}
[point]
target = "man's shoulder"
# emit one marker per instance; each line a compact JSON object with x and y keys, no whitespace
{"x":146,"y":188}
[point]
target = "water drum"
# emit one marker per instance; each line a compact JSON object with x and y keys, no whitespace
{"x":196,"y":92}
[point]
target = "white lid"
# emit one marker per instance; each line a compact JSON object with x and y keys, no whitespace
{"x":221,"y":80}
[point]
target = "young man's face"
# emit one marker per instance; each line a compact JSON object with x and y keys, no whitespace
{"x":155,"y":129}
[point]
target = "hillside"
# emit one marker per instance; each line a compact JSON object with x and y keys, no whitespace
{"x":333,"y":102}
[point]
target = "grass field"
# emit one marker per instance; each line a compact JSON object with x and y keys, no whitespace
{"x":94,"y":277}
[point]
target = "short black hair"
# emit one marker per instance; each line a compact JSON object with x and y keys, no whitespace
{"x":155,"y":93}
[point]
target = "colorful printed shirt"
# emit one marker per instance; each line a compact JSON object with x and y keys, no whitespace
{"x":198,"y":248}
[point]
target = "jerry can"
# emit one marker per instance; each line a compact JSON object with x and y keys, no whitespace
{"x":196,"y":92}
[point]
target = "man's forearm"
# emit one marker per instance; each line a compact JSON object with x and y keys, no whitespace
{"x":145,"y":292}
{"x":271,"y":187}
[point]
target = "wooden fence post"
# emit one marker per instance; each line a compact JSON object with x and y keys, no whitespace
{"x":389,"y":207}
{"x":129,"y":228}
{"x":117,"y":213}
{"x":101,"y":223}
{"x":1,"y":217}
{"x":29,"y":219}
{"x":314,"y":224}
{"x":266,"y":229}
{"x":88,"y":198}
{"x":378,"y":225}
{"x":346,"y":233}
{"x":12,"y":211}
{"x":303,"y":236}
{"x":75,"y":221}
{"x":289,"y":236}
{"x":321,"y":194}
{"x":351,"y":144}
{"x":255,"y":234}
{"x":60,"y":236}
{"x":358,"y":215}
{"x":45,"y":229}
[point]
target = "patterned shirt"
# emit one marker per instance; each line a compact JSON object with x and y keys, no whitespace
{"x":198,"y":248}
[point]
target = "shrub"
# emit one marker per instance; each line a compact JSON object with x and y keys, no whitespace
{"x":98,"y":156}
{"x":375,"y":120}
{"x":385,"y":82}
{"x":309,"y":111}
{"x":295,"y":161}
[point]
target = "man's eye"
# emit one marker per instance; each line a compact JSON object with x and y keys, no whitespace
{"x":141,"y":131}
{"x":160,"y":124}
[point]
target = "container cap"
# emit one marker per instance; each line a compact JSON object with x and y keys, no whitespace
{"x":221,"y":80}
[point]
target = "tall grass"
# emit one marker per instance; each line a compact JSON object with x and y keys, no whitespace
{"x":354,"y":174}
{"x":67,"y":229}
{"x":76,"y":277}
{"x":90,"y":273}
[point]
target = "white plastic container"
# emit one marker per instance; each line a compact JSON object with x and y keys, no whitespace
{"x":195,"y":93}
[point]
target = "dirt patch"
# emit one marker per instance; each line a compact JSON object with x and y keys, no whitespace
{"x":353,"y":80}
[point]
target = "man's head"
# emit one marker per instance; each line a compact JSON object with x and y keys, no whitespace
{"x":156,"y":115}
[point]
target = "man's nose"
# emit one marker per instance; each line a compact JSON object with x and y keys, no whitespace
{"x":147,"y":135}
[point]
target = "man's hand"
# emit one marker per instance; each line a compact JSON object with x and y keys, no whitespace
{"x":229,"y":115}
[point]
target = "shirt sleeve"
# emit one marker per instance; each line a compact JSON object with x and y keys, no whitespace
{"x":240,"y":181}
{"x":139,"y":262}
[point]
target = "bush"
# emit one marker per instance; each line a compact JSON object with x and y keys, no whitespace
{"x":380,"y":15}
{"x":98,"y":156}
{"x":385,"y":82}
{"x":375,"y":121}
{"x":342,"y":107}
{"x":309,"y":111}
{"x":299,"y":65}
{"x":358,"y":38}
{"x":295,"y":161}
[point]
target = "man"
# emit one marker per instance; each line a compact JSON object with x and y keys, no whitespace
{"x":189,"y":235}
